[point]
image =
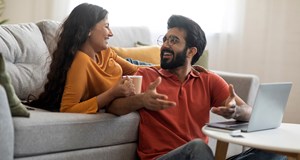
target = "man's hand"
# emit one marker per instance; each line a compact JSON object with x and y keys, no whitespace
{"x":229,"y":110}
{"x":155,"y":101}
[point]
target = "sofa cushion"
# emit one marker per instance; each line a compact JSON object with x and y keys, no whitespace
{"x":125,"y":151}
{"x":26,"y":56}
{"x":51,"y":132}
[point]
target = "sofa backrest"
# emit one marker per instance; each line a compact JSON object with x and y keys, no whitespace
{"x":50,"y":32}
{"x":122,"y":36}
{"x":129,"y":36}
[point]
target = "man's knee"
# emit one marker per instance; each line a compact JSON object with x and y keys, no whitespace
{"x":198,"y":145}
{"x":198,"y":148}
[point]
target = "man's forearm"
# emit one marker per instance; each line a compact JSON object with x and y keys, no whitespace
{"x":126,"y":105}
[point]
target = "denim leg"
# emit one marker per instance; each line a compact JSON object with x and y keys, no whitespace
{"x":193,"y":150}
{"x":256,"y":154}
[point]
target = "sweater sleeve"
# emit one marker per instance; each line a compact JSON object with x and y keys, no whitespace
{"x":127,"y":67}
{"x":75,"y":88}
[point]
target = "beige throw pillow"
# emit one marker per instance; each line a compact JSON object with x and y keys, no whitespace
{"x":149,"y":54}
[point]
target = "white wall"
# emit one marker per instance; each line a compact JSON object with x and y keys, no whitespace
{"x":268,"y":47}
{"x":19,"y":11}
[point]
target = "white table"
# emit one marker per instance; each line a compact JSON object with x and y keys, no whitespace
{"x":284,"y":140}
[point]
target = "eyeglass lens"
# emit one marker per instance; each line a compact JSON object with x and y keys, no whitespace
{"x":171,"y":40}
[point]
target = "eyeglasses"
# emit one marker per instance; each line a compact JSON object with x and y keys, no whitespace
{"x":171,"y":40}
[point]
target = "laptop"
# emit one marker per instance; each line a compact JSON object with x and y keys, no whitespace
{"x":267,"y":112}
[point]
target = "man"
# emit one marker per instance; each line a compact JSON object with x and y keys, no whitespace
{"x":177,"y":98}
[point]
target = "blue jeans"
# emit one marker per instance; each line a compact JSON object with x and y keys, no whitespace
{"x":256,"y":154}
{"x":198,"y":150}
{"x":195,"y":149}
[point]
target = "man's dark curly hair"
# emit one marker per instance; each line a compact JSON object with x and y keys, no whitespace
{"x":195,"y":37}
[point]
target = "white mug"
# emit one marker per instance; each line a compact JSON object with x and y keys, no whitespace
{"x":137,"y":82}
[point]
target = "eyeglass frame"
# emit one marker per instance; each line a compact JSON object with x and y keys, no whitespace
{"x":171,"y":40}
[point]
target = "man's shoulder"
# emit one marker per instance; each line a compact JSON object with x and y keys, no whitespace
{"x":148,"y":70}
{"x":203,"y":71}
{"x":199,"y":69}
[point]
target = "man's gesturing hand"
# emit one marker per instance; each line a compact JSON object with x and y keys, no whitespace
{"x":229,"y":109}
{"x":155,"y":101}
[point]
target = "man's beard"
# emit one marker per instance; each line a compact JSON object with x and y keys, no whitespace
{"x":177,"y":61}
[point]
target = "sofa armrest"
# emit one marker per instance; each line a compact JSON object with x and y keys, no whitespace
{"x":6,"y":128}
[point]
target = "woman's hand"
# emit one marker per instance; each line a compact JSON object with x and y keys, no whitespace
{"x":124,"y":88}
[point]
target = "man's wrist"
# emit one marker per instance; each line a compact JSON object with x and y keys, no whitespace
{"x":235,"y":114}
{"x":242,"y":113}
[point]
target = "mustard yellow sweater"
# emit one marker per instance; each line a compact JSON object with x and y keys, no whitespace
{"x":86,"y":79}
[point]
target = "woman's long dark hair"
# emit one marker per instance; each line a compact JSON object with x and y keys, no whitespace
{"x":74,"y":32}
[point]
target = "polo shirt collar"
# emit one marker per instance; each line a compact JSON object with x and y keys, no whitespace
{"x":195,"y":72}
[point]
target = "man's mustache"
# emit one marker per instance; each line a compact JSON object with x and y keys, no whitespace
{"x":166,"y":50}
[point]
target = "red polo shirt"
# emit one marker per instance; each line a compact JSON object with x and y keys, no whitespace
{"x":162,"y":131}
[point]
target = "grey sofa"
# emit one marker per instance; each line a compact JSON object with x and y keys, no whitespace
{"x":53,"y":136}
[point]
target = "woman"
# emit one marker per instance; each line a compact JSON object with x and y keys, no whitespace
{"x":85,"y":74}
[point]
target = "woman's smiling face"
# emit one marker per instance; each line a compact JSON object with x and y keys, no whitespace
{"x":100,"y":34}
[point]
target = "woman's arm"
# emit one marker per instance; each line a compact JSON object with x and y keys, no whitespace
{"x":150,"y":100}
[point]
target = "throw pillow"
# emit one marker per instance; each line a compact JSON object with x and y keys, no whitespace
{"x":149,"y":54}
{"x":27,"y":58}
{"x":50,"y":31}
{"x":16,"y":107}
{"x":203,"y":60}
